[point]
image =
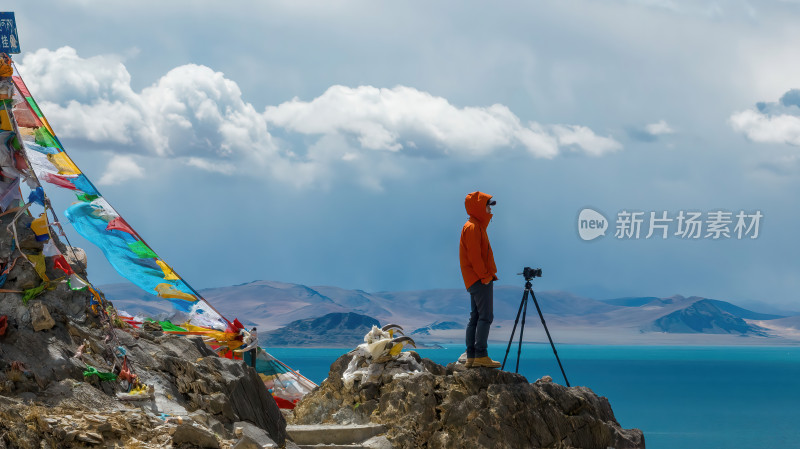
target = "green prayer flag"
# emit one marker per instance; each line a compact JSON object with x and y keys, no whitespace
{"x":169,"y":327}
{"x":43,"y":138}
{"x":34,"y":106}
{"x":92,"y":371}
{"x":86,"y":197}
{"x":15,"y":143}
{"x":142,"y":250}
{"x":31,"y":293}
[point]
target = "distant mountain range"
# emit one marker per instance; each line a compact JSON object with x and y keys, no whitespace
{"x":331,"y":330}
{"x":440,"y":315}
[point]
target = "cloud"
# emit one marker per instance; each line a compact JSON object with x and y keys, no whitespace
{"x":120,"y":169}
{"x":404,"y":119}
{"x":204,"y":164}
{"x":197,"y":116}
{"x":650,"y":132}
{"x":659,"y":128}
{"x":192,"y":113}
{"x":585,"y":139}
{"x":774,"y":122}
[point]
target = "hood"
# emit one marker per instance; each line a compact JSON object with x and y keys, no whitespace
{"x":475,"y":203}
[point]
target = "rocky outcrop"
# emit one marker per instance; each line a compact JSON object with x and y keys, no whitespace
{"x":455,"y":407}
{"x":46,"y":401}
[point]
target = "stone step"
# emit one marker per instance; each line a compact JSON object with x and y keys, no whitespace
{"x":331,"y":446}
{"x":332,"y":435}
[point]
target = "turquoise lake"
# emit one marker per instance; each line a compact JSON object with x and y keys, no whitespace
{"x":731,"y":397}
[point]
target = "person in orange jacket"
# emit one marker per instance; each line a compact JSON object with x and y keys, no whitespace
{"x":479,"y":272}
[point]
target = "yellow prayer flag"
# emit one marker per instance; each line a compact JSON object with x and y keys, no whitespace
{"x":64,"y":164}
{"x":169,"y":275}
{"x":5,"y":123}
{"x":47,"y":125}
{"x":39,"y":265}
{"x":39,"y":225}
{"x":167,"y":291}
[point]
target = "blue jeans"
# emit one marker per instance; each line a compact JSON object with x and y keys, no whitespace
{"x":480,"y":318}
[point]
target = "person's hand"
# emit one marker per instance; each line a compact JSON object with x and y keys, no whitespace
{"x":484,"y":282}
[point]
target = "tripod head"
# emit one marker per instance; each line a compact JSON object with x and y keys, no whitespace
{"x":529,"y":273}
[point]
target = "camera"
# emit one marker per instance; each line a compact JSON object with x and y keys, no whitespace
{"x":530,"y":273}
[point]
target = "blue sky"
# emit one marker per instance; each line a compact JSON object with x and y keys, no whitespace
{"x":333,"y":142}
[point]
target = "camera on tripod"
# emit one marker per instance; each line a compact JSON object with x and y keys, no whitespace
{"x":529,"y":273}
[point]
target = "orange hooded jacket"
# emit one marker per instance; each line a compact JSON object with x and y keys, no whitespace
{"x":475,"y":253}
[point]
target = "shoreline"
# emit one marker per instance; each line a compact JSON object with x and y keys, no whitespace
{"x":449,"y":345}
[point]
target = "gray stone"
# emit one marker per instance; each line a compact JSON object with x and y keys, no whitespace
{"x":40,"y":317}
{"x":90,"y":437}
{"x":246,"y":442}
{"x":333,"y":433}
{"x":251,"y":435}
{"x":378,"y":442}
{"x":76,"y":257}
{"x":197,"y":436}
{"x":238,"y":393}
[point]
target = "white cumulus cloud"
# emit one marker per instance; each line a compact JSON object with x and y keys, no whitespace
{"x":120,"y":168}
{"x":406,"y":119}
{"x":774,"y":122}
{"x":659,"y":128}
{"x":198,"y":117}
{"x":190,"y":112}
{"x":760,"y":127}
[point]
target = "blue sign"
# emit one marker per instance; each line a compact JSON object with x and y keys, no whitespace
{"x":9,"y":41}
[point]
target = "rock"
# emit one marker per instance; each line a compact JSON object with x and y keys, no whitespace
{"x":76,"y":257}
{"x":152,"y":328}
{"x":40,"y":317}
{"x":90,"y":437}
{"x":246,"y":442}
{"x":238,"y":394}
{"x":450,"y":407}
{"x":197,"y":436}
{"x":378,"y":442}
{"x":45,"y":401}
{"x":252,"y":437}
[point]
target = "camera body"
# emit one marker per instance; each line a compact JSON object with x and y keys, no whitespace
{"x":529,"y":273}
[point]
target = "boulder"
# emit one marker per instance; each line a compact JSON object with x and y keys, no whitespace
{"x":194,"y":435}
{"x":226,"y":389}
{"x":251,"y":437}
{"x":40,"y":317}
{"x":76,"y":257}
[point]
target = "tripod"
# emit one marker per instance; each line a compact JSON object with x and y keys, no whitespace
{"x":523,"y":310}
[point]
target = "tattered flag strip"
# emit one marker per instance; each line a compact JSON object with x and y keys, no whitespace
{"x":10,"y":194}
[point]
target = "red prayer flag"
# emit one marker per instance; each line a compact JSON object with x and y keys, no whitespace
{"x":61,"y":263}
{"x":120,"y":224}
{"x":59,"y":180}
{"x":23,"y":89}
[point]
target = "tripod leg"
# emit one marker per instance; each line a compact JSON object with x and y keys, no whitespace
{"x":521,"y":331}
{"x":513,"y":331}
{"x":548,"y":337}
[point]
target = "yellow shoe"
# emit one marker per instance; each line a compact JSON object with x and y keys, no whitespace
{"x":469,"y":362}
{"x":485,"y":362}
